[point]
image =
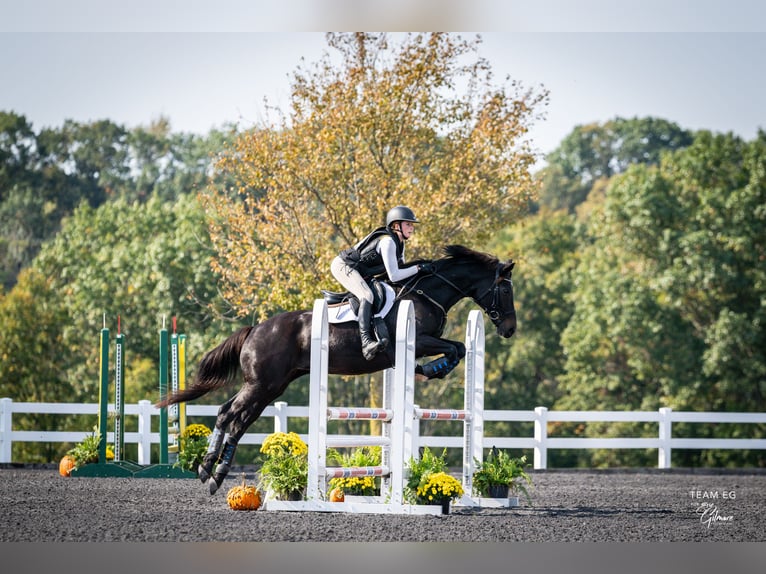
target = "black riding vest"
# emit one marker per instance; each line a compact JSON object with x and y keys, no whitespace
{"x":365,"y":258}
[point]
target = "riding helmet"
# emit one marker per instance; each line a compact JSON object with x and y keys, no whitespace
{"x":400,"y":213}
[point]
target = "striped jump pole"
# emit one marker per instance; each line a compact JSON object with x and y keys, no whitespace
{"x":176,"y":412}
{"x":119,"y":394}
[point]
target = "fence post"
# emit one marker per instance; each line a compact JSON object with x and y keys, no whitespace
{"x":666,"y":432}
{"x":280,"y":417}
{"x":6,"y":428}
{"x":144,"y":432}
{"x":541,"y":438}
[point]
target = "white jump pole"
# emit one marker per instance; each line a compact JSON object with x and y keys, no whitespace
{"x":319,"y":366}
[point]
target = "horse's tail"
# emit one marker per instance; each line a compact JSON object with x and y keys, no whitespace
{"x":217,"y":369}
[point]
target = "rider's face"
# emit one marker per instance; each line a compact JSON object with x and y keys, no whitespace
{"x":406,"y":229}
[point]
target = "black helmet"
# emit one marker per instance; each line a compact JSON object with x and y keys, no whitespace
{"x":400,"y":213}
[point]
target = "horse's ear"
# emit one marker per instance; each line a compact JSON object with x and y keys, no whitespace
{"x":508,"y":267}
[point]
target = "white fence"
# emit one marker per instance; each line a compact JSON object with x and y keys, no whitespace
{"x":540,"y":442}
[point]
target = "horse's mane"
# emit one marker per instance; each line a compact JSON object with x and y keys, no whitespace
{"x":462,"y":254}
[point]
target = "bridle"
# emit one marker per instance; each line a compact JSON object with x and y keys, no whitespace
{"x":493,"y":309}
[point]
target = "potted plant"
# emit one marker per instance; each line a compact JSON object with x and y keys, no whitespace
{"x":86,"y":451}
{"x":500,"y":474}
{"x":285,"y":468}
{"x":356,"y":485}
{"x":429,"y":483}
{"x":193,"y":446}
{"x":417,"y":469}
{"x":439,"y":488}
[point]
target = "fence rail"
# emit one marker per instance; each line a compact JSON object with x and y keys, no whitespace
{"x":281,"y":412}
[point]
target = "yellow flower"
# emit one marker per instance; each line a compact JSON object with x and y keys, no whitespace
{"x":196,"y":431}
{"x":439,"y":486}
{"x":355,"y":484}
{"x":280,"y":443}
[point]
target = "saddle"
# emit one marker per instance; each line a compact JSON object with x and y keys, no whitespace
{"x":344,"y":306}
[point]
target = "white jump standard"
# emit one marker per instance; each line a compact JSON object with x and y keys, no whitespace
{"x":398,"y":417}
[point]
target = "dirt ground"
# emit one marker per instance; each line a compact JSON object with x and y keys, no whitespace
{"x":39,"y":505}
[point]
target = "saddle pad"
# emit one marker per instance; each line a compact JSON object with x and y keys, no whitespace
{"x":342,"y":313}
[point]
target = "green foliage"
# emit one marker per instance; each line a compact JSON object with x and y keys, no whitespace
{"x":141,"y":261}
{"x":500,"y":469}
{"x":45,"y":175}
{"x":596,"y":152}
{"x":193,"y":446}
{"x":652,"y":295}
{"x":86,"y":451}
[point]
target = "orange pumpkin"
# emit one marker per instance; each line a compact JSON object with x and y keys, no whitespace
{"x":337,"y":495}
{"x":244,"y":497}
{"x":66,"y":465}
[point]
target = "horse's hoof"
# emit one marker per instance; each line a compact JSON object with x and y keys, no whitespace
{"x":213,"y":486}
{"x":203,"y":474}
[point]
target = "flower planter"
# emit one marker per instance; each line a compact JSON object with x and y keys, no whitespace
{"x":497,"y":491}
{"x":295,"y":495}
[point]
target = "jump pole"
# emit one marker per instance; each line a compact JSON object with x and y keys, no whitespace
{"x":170,"y":417}
{"x":118,"y":467}
{"x":119,"y":393}
{"x":176,"y":414}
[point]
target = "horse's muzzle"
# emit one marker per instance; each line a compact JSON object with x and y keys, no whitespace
{"x":507,"y":328}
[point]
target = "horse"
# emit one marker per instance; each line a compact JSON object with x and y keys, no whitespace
{"x":272,"y":354}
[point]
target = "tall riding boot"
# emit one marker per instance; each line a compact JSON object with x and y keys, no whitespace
{"x":370,"y":345}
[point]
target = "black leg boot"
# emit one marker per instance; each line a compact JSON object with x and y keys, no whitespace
{"x":370,"y":345}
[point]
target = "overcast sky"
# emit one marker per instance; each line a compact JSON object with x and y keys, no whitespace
{"x":699,"y":63}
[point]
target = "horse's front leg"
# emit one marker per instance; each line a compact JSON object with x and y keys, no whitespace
{"x":452,"y":352}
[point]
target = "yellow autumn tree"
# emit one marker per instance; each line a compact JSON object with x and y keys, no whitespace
{"x":371,"y":125}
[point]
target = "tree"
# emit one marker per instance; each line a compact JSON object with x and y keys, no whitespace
{"x":670,"y":296}
{"x":546,"y":247}
{"x":141,"y":261}
{"x":594,"y":152}
{"x":383,"y":128}
{"x":33,"y":359}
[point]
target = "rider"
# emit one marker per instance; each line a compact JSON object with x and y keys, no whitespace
{"x":380,"y":254}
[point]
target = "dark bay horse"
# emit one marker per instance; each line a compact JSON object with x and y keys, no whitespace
{"x":272,"y":354}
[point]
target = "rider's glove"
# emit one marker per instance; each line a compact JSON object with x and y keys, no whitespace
{"x":427,"y":268}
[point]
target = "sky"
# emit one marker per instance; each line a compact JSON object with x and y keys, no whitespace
{"x":698,"y":63}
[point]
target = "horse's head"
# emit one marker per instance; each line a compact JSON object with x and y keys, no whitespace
{"x":489,"y":284}
{"x":498,"y":302}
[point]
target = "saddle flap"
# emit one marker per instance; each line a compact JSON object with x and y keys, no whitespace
{"x":336,"y":297}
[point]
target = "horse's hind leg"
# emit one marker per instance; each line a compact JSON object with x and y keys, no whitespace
{"x":215,"y":442}
{"x":244,"y":408}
